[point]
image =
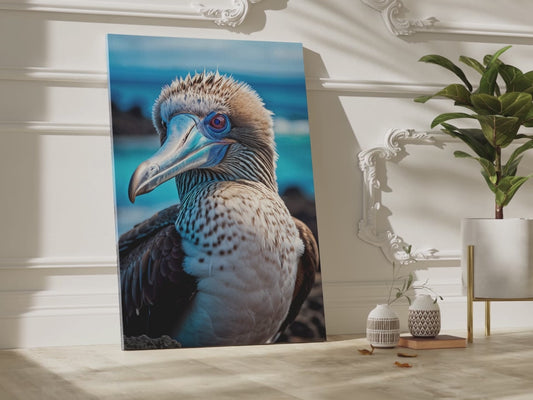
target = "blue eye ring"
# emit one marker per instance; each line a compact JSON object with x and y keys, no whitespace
{"x":217,"y":123}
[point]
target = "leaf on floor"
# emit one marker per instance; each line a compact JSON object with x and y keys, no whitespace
{"x":407,"y":355}
{"x":402,"y":365}
{"x":366,"y":352}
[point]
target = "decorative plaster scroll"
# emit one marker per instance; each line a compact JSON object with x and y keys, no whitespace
{"x":188,"y":10}
{"x":391,"y":12}
{"x":391,"y":244}
{"x":227,"y":16}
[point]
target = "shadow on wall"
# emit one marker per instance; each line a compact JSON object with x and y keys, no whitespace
{"x":334,"y":147}
{"x":257,"y":16}
{"x":23,"y":46}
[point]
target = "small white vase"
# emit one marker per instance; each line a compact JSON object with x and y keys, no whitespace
{"x":424,"y":317}
{"x":383,"y":327}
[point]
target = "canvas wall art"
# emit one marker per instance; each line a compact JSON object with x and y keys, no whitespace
{"x":214,"y":193}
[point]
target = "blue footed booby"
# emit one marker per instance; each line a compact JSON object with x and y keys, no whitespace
{"x":227,"y":265}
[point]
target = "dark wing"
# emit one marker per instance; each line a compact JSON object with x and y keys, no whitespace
{"x":155,"y":290}
{"x":305,"y":276}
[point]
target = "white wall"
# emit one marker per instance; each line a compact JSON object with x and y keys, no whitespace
{"x":58,"y":281}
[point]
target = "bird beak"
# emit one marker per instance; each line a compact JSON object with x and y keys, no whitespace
{"x":185,"y":148}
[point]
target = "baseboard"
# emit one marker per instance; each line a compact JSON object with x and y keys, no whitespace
{"x":58,"y":302}
{"x":74,"y":301}
{"x":347,"y":305}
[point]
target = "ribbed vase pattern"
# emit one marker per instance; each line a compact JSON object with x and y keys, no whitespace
{"x":383,"y":327}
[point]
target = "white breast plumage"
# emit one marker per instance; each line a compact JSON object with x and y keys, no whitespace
{"x":243,"y":248}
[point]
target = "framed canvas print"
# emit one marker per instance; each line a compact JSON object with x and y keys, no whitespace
{"x":214,"y":193}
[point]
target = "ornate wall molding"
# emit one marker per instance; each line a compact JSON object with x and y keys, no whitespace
{"x":390,"y":243}
{"x":223,"y":13}
{"x":392,"y":11}
{"x":227,"y":16}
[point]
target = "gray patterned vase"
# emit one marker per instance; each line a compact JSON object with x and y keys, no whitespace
{"x":424,"y":317}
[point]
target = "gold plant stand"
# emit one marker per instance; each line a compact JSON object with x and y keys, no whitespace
{"x":470,"y":298}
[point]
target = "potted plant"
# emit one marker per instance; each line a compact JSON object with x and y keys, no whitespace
{"x":501,"y":107}
{"x":383,"y":323}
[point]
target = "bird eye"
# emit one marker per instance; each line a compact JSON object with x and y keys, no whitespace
{"x":217,"y":123}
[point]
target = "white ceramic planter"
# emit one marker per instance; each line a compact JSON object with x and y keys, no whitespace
{"x":383,"y":327}
{"x":503,"y":257}
{"x":424,"y":317}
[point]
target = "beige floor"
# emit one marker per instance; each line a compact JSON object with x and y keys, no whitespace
{"x":498,"y":367}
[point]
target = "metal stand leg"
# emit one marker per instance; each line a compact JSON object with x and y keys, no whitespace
{"x":470,"y":296}
{"x":487,"y":318}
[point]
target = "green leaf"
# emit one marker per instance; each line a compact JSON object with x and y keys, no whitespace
{"x":489,"y":181}
{"x":491,"y":59}
{"x":447,"y":116}
{"x":516,"y":104}
{"x":516,"y":156}
{"x":487,"y":84}
{"x":520,"y":84}
{"x":528,"y":120}
{"x":486,"y":104}
{"x":446,"y":63}
{"x":511,"y":167}
{"x":473,"y":138}
{"x":473,"y":64}
{"x":499,"y":131}
{"x":456,"y":92}
{"x":488,"y":169}
{"x":508,"y":74}
{"x":409,"y":281}
{"x":462,"y":154}
{"x":508,"y":187}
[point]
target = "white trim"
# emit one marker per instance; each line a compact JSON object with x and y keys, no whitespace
{"x":71,"y":76}
{"x":498,"y":31}
{"x":95,"y":78}
{"x":392,"y":10}
{"x":354,"y":86}
{"x":232,"y":15}
{"x":55,"y":128}
{"x":58,"y":262}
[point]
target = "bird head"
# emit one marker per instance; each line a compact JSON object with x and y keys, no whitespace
{"x":210,"y":127}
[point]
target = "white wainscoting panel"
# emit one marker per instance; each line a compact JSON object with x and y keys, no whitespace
{"x":58,"y":279}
